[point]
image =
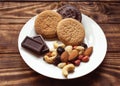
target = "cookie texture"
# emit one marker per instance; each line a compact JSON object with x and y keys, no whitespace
{"x":70,"y":31}
{"x":46,"y":23}
{"x":69,"y":11}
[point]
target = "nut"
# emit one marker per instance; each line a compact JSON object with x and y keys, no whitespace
{"x":61,"y":65}
{"x":73,"y":55}
{"x":80,"y":57}
{"x":66,"y":69}
{"x":53,"y":53}
{"x":80,"y":48}
{"x":56,"y":45}
{"x":62,"y":45}
{"x":85,"y":59}
{"x":64,"y":56}
{"x":77,"y":62}
{"x":49,"y":54}
{"x":81,"y":52}
{"x":68,"y":48}
{"x":50,"y":58}
{"x":88,"y":51}
{"x":52,"y":50}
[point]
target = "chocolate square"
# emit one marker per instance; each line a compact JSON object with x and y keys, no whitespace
{"x":40,"y":39}
{"x":32,"y":45}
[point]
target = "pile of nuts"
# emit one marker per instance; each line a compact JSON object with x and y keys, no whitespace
{"x":67,"y":57}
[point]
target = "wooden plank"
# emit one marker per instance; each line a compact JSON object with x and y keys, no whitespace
{"x":112,"y":33}
{"x":20,"y":12}
{"x":15,"y":61}
{"x":12,"y":65}
{"x":9,"y":37}
{"x":11,"y":61}
{"x":60,"y":0}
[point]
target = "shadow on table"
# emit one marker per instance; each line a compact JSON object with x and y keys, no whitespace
{"x":92,"y":79}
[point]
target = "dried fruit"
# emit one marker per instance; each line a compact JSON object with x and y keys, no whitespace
{"x":57,"y":60}
{"x":60,"y":50}
{"x":84,"y":45}
{"x":64,"y":56}
{"x":73,"y":55}
{"x":88,"y":51}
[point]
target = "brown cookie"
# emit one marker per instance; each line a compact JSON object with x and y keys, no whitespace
{"x":46,"y":23}
{"x":70,"y":31}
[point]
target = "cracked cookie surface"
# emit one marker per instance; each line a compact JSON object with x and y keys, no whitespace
{"x":70,"y":31}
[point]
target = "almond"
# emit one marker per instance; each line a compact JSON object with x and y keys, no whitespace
{"x":73,"y":55}
{"x":88,"y":51}
{"x":64,"y":56}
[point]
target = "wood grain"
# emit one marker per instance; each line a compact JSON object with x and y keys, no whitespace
{"x":101,"y":12}
{"x":61,"y":0}
{"x":9,"y":36}
{"x":13,"y":66}
{"x":14,"y":71}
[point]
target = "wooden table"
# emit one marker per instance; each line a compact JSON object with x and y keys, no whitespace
{"x":14,"y":71}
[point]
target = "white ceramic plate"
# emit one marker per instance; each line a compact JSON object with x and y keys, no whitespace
{"x":94,"y":37}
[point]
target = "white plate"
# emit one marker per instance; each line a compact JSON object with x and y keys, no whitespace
{"x":94,"y":37}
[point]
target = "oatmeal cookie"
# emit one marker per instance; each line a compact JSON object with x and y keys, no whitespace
{"x":70,"y":31}
{"x":46,"y":23}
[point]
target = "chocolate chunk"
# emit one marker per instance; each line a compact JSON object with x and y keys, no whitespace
{"x":32,"y":45}
{"x":40,"y":39}
{"x":68,"y":11}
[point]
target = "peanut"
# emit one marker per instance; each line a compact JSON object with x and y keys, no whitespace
{"x":77,"y":62}
{"x":85,"y":59}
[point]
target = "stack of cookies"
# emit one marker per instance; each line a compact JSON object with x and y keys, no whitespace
{"x":64,"y":24}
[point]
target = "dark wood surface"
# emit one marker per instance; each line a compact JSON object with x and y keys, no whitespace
{"x":14,"y":71}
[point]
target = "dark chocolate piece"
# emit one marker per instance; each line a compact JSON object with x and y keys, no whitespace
{"x":32,"y":45}
{"x":40,"y":39}
{"x":68,"y":11}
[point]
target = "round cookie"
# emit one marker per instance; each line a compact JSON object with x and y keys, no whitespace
{"x":70,"y":31}
{"x":46,"y":23}
{"x":68,"y":11}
